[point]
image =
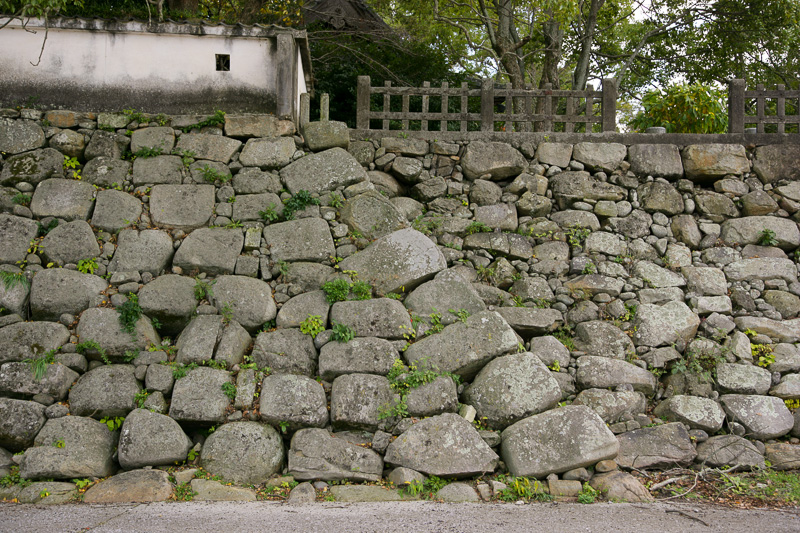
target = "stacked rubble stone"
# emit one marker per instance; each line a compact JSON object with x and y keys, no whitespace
{"x":397,"y":308}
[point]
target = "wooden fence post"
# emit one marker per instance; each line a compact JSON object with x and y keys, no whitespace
{"x":363,"y":102}
{"x":487,"y":105}
{"x":736,"y":106}
{"x":325,"y":107}
{"x":609,"y":106}
{"x":305,"y":109}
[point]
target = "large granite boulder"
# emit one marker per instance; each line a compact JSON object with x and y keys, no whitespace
{"x":268,"y":153}
{"x":183,"y":207}
{"x":296,"y":401}
{"x":705,"y":163}
{"x":657,"y":447}
{"x":65,"y":199}
{"x":243,"y":452}
{"x":286,"y":351}
{"x":198,"y":397}
{"x":694,"y":411}
{"x":16,"y":234}
{"x":32,"y":167}
{"x":101,"y":325}
{"x":249,"y":299}
{"x":87,"y":450}
{"x":151,"y":439}
{"x":362,"y":355}
{"x":381,"y":317}
{"x":445,"y":445}
{"x":372,"y":215}
{"x":58,"y":291}
{"x":599,"y":156}
{"x":70,"y":243}
{"x":107,"y":391}
{"x":511,"y":388}
{"x":323,"y":171}
{"x":210,"y":250}
{"x":20,"y":422}
{"x":115,"y":210}
{"x":359,"y":401}
{"x":24,"y":340}
{"x":556,"y":441}
{"x":500,"y":160}
{"x":662,"y":160}
{"x":169,"y":299}
{"x":464,"y":347}
{"x":749,"y":230}
{"x":316,"y":454}
{"x":18,"y":136}
{"x":399,"y":261}
{"x":306,"y":239}
{"x":763,"y":417}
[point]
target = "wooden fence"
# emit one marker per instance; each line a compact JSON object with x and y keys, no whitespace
{"x":498,"y":107}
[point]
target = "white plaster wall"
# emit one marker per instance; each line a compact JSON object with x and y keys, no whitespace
{"x":301,"y":80}
{"x":97,"y":59}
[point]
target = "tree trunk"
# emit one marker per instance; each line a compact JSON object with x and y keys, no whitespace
{"x":581,"y":74}
{"x":553,"y":39}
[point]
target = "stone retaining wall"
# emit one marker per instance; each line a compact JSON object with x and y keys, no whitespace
{"x":341,"y":309}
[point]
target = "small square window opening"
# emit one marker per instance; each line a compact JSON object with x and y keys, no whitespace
{"x":223,"y":62}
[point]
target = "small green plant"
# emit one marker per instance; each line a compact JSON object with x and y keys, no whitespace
{"x":87,"y":266}
{"x":13,"y":478}
{"x":184,"y":492}
{"x":215,"y":363}
{"x":436,"y":322}
{"x":129,"y":313}
{"x":339,"y":290}
{"x":82,"y":484}
{"x":477,"y":227}
{"x":588,"y":494}
{"x":44,"y":230}
{"x":11,"y":280}
{"x":84,"y":347}
{"x":283,"y":426}
{"x":72,"y":163}
{"x":217,"y":119}
{"x":38,"y":365}
{"x":576,"y":235}
{"x":517,"y":300}
{"x":203,"y":289}
{"x":564,"y":334}
{"x":113,"y":422}
{"x":140,"y":398}
{"x":342,"y":332}
{"x":298,"y":202}
{"x":555,"y":366}
{"x":403,"y":379}
{"x":212,"y":175}
{"x":227,"y":313}
{"x":269,"y":214}
{"x":146,"y":151}
{"x":135,"y":116}
{"x":180,"y":370}
{"x":521,"y":488}
{"x":187,"y":156}
{"x":21,"y":199}
{"x":59,"y":443}
{"x":361,"y":290}
{"x":485,"y":273}
{"x":589,"y":269}
{"x":312,"y":325}
{"x":763,"y":354}
{"x":336,"y":200}
{"x":703,"y":364}
{"x":767,"y":238}
{"x":462,"y":314}
{"x":229,"y":389}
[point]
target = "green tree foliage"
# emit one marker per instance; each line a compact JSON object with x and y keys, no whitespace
{"x":683,"y":109}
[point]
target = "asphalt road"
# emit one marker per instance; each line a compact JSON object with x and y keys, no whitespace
{"x":230,"y":517}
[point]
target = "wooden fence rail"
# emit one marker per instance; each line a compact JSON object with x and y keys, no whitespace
{"x":498,"y":107}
